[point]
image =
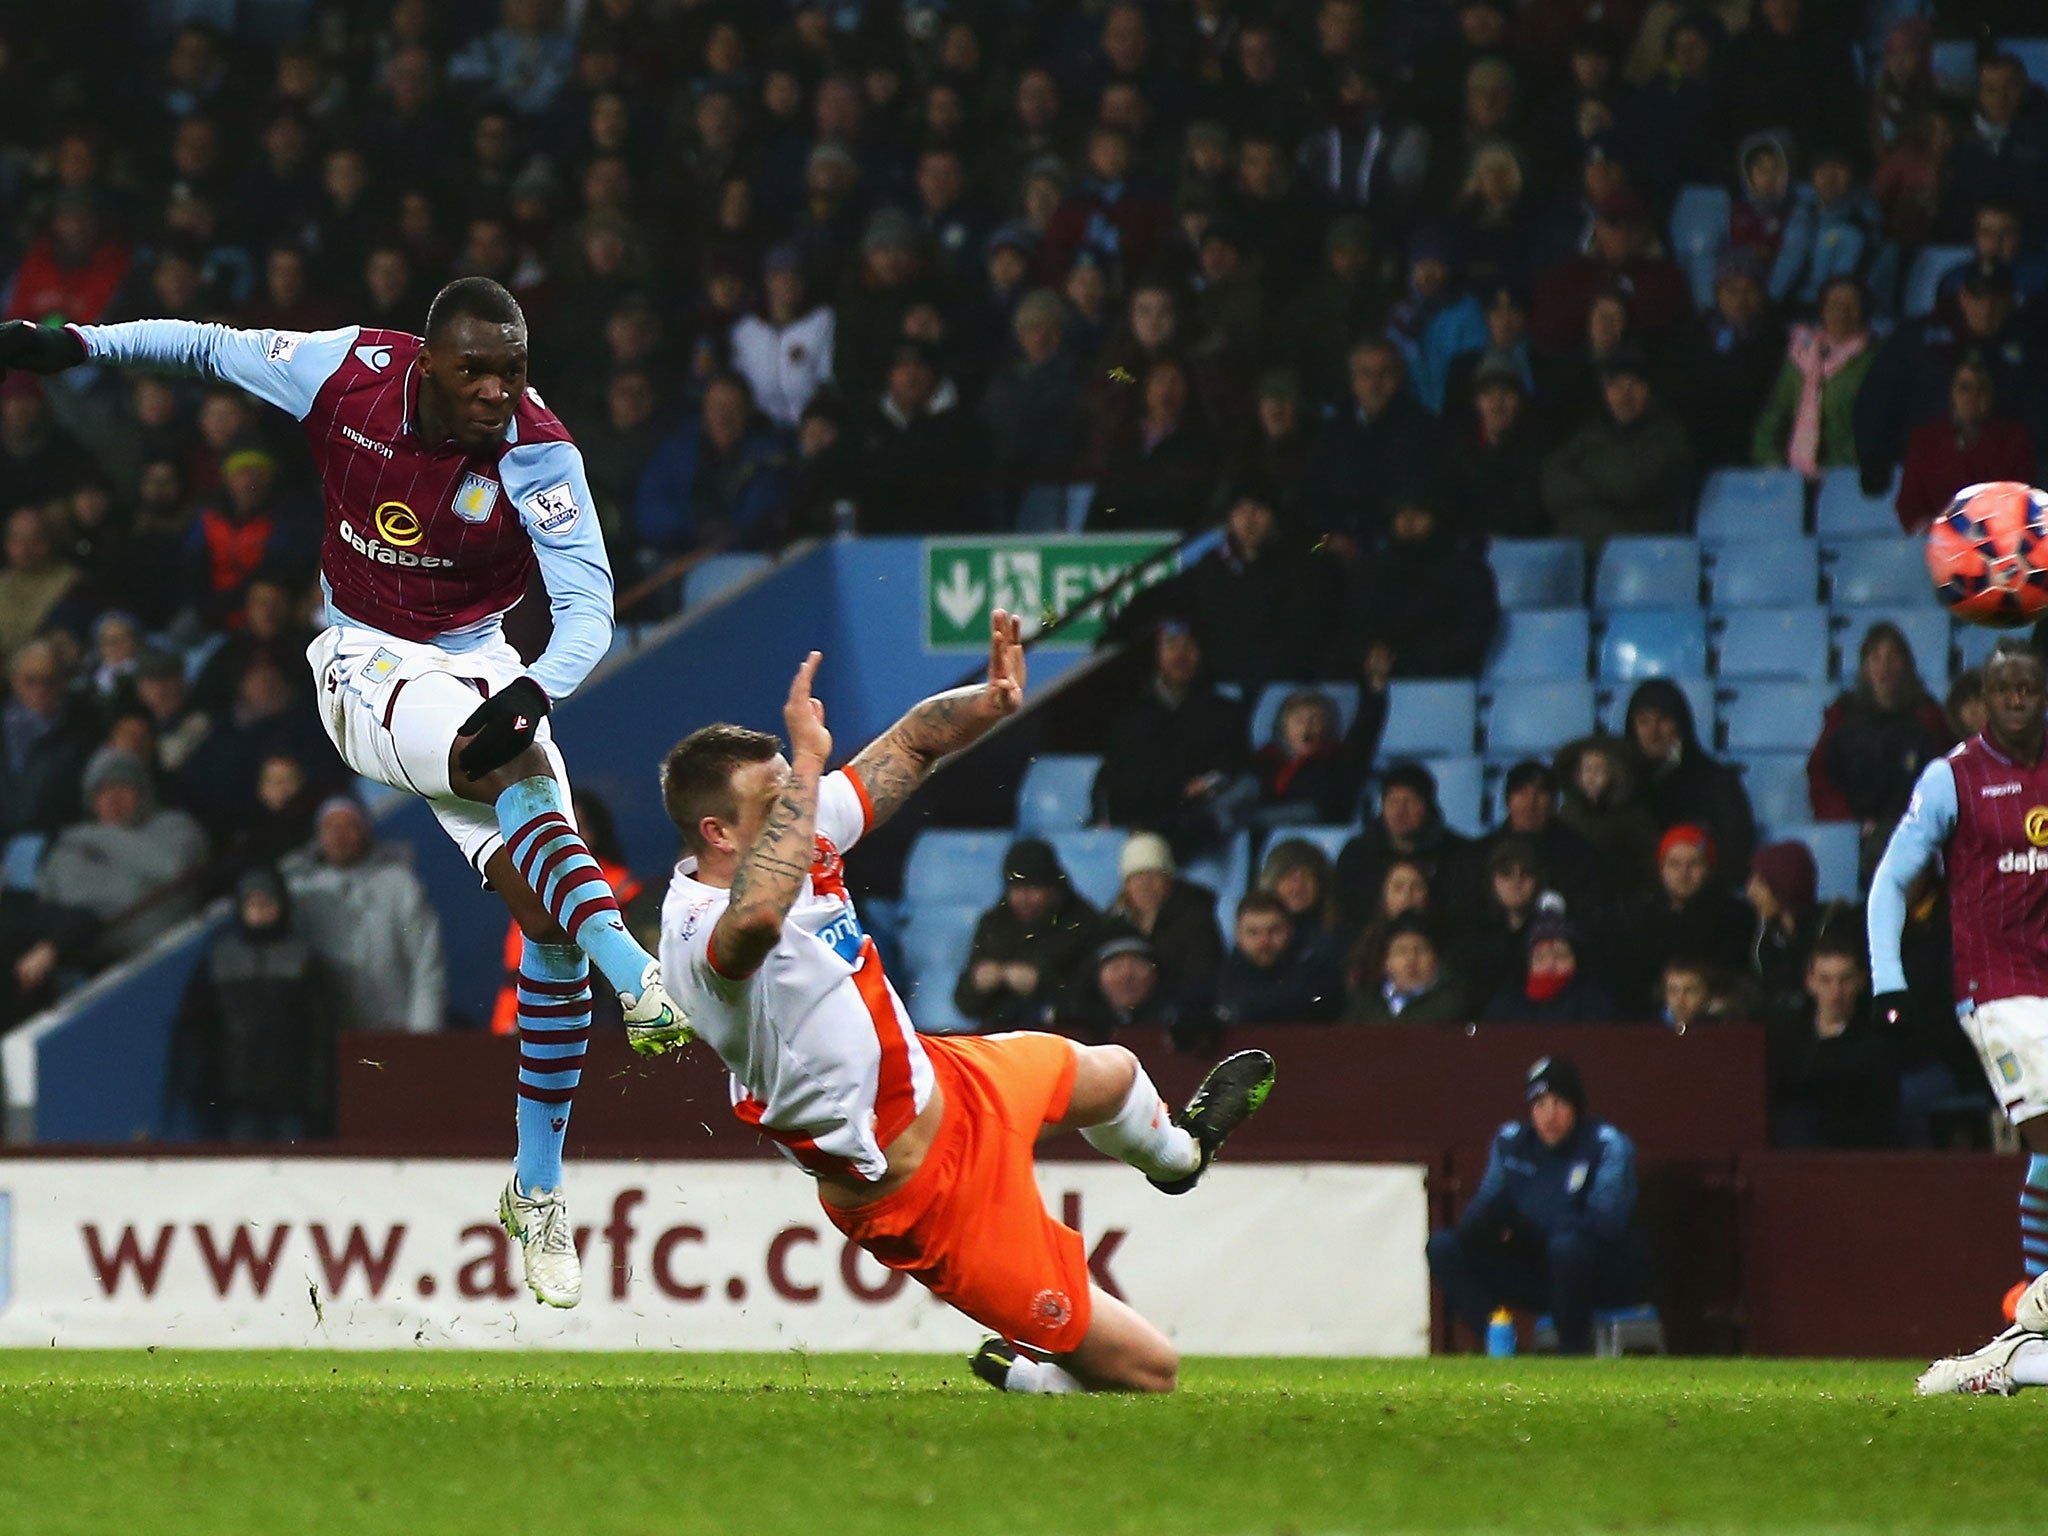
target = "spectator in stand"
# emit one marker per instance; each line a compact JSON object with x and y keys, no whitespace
{"x":1175,"y":917}
{"x":1114,"y":210}
{"x":1809,"y":421}
{"x":1695,"y":992}
{"x":34,"y":583}
{"x":1404,"y":890}
{"x":1999,"y":242}
{"x":919,"y":451}
{"x":1500,"y":459}
{"x":1529,"y":813}
{"x":1553,"y":988}
{"x":523,"y":63}
{"x":2002,"y":156}
{"x":785,"y":351}
{"x":1622,"y":255}
{"x":1154,"y":471}
{"x":1551,"y":1226}
{"x":1874,"y":740}
{"x":48,"y":732}
{"x":1178,"y":759}
{"x":127,"y":875}
{"x":180,"y":725}
{"x":1348,"y":299}
{"x":250,"y":528}
{"x":1269,"y":978}
{"x":1677,"y":122}
{"x":39,"y":460}
{"x":1408,"y":826}
{"x":1690,"y":914}
{"x":1309,"y":771}
{"x":1422,"y":603}
{"x":1630,"y":469}
{"x":1030,"y":414}
{"x":271,"y":630}
{"x":1488,"y":330}
{"x":1030,"y":947}
{"x":1763,"y":207}
{"x":617,"y":448}
{"x":1679,"y":782}
{"x":271,"y":712}
{"x":252,"y":1050}
{"x":1965,"y":706}
{"x":1783,"y":893}
{"x":1724,"y":376}
{"x":1494,"y":951}
{"x":72,"y":272}
{"x":368,"y":919}
{"x":1124,"y":991}
{"x":1834,"y":1075}
{"x":1833,"y":232}
{"x":1412,"y":986}
{"x":281,"y":820}
{"x":1376,"y":447}
{"x":1974,"y":444}
{"x":1910,"y":183}
{"x":1301,"y":875}
{"x":1573,"y":393}
{"x":1284,"y":439}
{"x":1903,"y":87}
{"x":713,"y":482}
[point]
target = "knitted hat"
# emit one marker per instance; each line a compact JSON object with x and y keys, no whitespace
{"x":1789,"y":871}
{"x":1031,"y":861}
{"x":1144,"y":852}
{"x":1556,"y":1074}
{"x":1683,"y":835}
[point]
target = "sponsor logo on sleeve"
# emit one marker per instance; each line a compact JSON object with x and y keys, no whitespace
{"x":283,"y":346}
{"x":374,"y":358}
{"x":553,"y":510}
{"x":475,"y":497}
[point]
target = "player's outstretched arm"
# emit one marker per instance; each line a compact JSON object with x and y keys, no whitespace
{"x":1929,"y":820}
{"x":773,"y":867}
{"x":286,"y":368}
{"x":892,"y":765}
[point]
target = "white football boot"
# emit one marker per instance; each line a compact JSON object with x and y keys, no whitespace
{"x":1985,"y":1372}
{"x":2031,"y":1311}
{"x":538,"y":1220}
{"x":654,"y":1024}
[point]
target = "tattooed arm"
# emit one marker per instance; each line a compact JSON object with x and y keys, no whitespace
{"x":892,"y":765}
{"x":772,"y":869}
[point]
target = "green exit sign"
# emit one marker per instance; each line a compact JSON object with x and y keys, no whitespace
{"x":1039,"y":579}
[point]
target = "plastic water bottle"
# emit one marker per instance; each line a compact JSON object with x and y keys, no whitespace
{"x":1500,"y":1334}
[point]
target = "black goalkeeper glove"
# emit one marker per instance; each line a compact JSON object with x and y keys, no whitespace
{"x":1894,"y":1009}
{"x":502,"y":727}
{"x":38,"y":348}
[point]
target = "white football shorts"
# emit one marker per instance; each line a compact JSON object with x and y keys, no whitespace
{"x":2011,"y":1036}
{"x":393,"y":709}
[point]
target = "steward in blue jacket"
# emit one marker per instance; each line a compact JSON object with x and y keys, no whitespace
{"x":1551,"y":1226}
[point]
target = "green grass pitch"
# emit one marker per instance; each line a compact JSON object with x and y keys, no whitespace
{"x":177,"y":1442}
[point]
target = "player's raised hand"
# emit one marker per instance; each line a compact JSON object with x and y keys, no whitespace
{"x":804,"y":716}
{"x":1005,"y":691}
{"x":38,"y":348}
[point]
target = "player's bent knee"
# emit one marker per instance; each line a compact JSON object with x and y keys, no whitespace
{"x":1103,"y":1075}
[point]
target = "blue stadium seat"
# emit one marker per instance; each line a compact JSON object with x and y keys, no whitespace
{"x":1845,"y":512}
{"x":1974,"y":642}
{"x":1923,"y":278}
{"x":1539,"y":573}
{"x":1699,"y":228}
{"x":1765,"y":573}
{"x":720,"y":573}
{"x":1774,"y":717}
{"x":2032,"y":52}
{"x":955,"y":868}
{"x":1926,"y":630}
{"x":1788,"y":643}
{"x":1228,"y":873}
{"x":1430,"y":719}
{"x":1863,"y":572}
{"x":935,"y":940}
{"x":1539,"y":645}
{"x":1089,"y":857}
{"x":1698,"y":691}
{"x":1266,"y":712}
{"x":1955,"y":66}
{"x":1461,"y":792}
{"x":1647,"y":572}
{"x":1653,"y":642}
{"x":1329,"y":839}
{"x":1836,"y":851}
{"x":1056,"y":793}
{"x":1752,"y":504}
{"x":21,"y":859}
{"x":1535,"y":719}
{"x":1777,"y":787}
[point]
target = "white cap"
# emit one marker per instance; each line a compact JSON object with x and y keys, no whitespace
{"x":1144,"y":851}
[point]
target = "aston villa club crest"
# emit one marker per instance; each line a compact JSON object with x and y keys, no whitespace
{"x":475,"y":497}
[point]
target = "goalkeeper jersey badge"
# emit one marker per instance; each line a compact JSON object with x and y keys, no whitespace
{"x":475,"y":497}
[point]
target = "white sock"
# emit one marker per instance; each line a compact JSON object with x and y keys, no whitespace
{"x":2030,"y":1364}
{"x":1143,"y":1134}
{"x":1027,"y":1375}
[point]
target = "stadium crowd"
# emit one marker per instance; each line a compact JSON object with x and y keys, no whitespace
{"x":1397,"y":279}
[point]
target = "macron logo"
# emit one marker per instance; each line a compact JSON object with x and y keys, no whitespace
{"x":374,"y":358}
{"x":385,"y":449}
{"x":1993,"y":791}
{"x":2030,"y":861}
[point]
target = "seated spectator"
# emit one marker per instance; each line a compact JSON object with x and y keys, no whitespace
{"x":1971,"y":445}
{"x":1030,"y":947}
{"x":1422,"y":603}
{"x":267,"y":716}
{"x":1600,"y":803}
{"x":1691,"y":913}
{"x":1783,"y":893}
{"x":1284,"y":439}
{"x":1809,"y":421}
{"x":33,"y":583}
{"x":252,"y":1050}
{"x":1269,"y":978}
{"x":1500,"y":458}
{"x":713,"y":481}
{"x":1553,"y":989}
{"x":1408,"y":825}
{"x":1344,"y":302}
{"x":120,"y":880}
{"x":1965,"y":706}
{"x":2004,"y":146}
{"x":1301,"y":875}
{"x":1574,"y":393}
{"x":1630,"y":469}
{"x":1494,"y":951}
{"x":1412,"y":986}
{"x":281,"y":820}
{"x":1691,"y":994}
{"x":1622,"y":255}
{"x":1875,"y":739}
{"x":1832,"y":233}
{"x":1720,"y":378}
{"x":1834,"y":1075}
{"x":1378,"y":444}
{"x":1903,"y":81}
{"x":271,"y":629}
{"x":1175,"y":917}
{"x":1177,"y":762}
{"x":368,"y":919}
{"x":918,"y":451}
{"x":1126,"y":991}
{"x":1998,"y":241}
{"x":784,"y":352}
{"x":1031,"y":415}
{"x":617,"y":446}
{"x":250,"y":528}
{"x":1763,"y":203}
{"x":72,"y":270}
{"x":47,"y":732}
{"x":1551,"y":1226}
{"x":1488,"y":329}
{"x":1679,"y":782}
{"x":181,"y":726}
{"x":1155,"y":472}
{"x":1404,"y":890}
{"x":1911,"y":178}
{"x":116,"y":647}
{"x":1529,"y":807}
{"x":1306,"y":772}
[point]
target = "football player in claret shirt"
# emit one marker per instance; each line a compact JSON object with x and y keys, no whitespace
{"x":446,"y":479}
{"x":1983,"y":811}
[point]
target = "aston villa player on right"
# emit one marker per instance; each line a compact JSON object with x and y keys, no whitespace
{"x":1983,"y":812}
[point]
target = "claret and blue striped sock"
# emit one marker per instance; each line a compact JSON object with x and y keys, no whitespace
{"x":550,"y":855}
{"x":554,"y":1029}
{"x":2034,"y":1216}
